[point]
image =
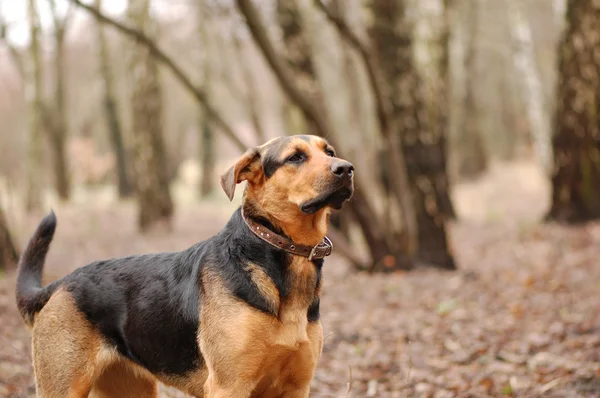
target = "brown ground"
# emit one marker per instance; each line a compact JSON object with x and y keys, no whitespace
{"x":521,"y":317}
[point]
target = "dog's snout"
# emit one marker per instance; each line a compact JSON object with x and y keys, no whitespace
{"x":342,"y":169}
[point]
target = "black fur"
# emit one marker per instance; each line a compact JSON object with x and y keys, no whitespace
{"x":148,"y":306}
{"x":271,"y":159}
{"x":314,"y":310}
{"x":30,"y":295}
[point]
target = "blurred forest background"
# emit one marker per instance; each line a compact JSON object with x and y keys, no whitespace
{"x":474,"y":126}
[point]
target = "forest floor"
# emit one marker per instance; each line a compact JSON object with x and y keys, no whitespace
{"x":521,"y":316}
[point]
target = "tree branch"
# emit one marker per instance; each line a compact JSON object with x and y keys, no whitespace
{"x":283,"y":74}
{"x":60,"y":24}
{"x":160,"y":56}
{"x":383,"y":107}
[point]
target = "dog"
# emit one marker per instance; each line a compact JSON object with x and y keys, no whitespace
{"x":234,"y":316}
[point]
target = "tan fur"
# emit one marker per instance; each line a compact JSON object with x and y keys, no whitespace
{"x":71,"y":359}
{"x":66,"y":347}
{"x":124,"y":380}
{"x":264,"y":284}
{"x":252,"y":354}
{"x":192,"y":383}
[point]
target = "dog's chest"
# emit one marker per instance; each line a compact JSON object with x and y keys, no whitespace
{"x":295,"y":343}
{"x":291,"y":330}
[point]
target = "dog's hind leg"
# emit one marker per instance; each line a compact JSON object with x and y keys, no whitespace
{"x":68,"y":353}
{"x":124,"y":381}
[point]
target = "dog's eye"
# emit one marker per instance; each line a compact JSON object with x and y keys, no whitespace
{"x":296,"y":158}
{"x":329,"y":152}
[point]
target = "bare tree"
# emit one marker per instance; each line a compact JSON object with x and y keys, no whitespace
{"x":250,"y":93}
{"x":56,"y":112}
{"x":150,"y":162}
{"x":110,"y":110}
{"x":9,"y":255}
{"x":207,"y":139}
{"x":423,"y":142}
{"x":441,"y":110}
{"x":528,"y":70}
{"x":470,"y":150}
{"x":575,"y":183}
{"x":160,"y":56}
{"x":33,"y":93}
{"x":298,"y":58}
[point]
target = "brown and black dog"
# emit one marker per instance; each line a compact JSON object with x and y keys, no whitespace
{"x":236,"y":315}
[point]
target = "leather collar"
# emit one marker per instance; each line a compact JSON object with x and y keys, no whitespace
{"x":319,"y":251}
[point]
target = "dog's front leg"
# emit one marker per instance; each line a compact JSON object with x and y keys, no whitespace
{"x":299,"y":393}
{"x":238,"y":389}
{"x":233,"y":355}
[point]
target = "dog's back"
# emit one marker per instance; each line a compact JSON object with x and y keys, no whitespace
{"x":128,"y":300}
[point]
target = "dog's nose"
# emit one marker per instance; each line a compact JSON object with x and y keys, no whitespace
{"x":342,"y":169}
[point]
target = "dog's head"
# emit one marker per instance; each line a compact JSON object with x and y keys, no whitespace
{"x":298,"y":175}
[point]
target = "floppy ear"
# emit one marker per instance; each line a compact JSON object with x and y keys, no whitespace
{"x":239,"y":172}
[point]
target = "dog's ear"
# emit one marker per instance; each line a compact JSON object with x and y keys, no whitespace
{"x":242,"y":170}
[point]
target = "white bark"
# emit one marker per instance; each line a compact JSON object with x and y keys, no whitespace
{"x":528,"y":71}
{"x":559,"y":7}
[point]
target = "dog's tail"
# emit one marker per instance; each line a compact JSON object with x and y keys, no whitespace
{"x":31,"y":297}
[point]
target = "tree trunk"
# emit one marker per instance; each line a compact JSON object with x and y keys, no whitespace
{"x":527,"y":68}
{"x":207,"y":158}
{"x":58,"y":129}
{"x":297,"y":55}
{"x":470,"y":150}
{"x":576,"y":179}
{"x":508,"y":145}
{"x":441,"y":108}
{"x":9,"y":255}
{"x":423,"y":143}
{"x":150,"y":163}
{"x":110,"y":111}
{"x":207,"y":147}
{"x":58,"y":139}
{"x":33,"y":92}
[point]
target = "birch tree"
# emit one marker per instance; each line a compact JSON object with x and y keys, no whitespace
{"x":150,"y":162}
{"x":207,"y":140}
{"x":111,"y":114}
{"x":576,"y":141}
{"x":469,"y":148}
{"x":423,"y":143}
{"x":34,"y":98}
{"x":525,"y":62}
{"x":56,"y":111}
